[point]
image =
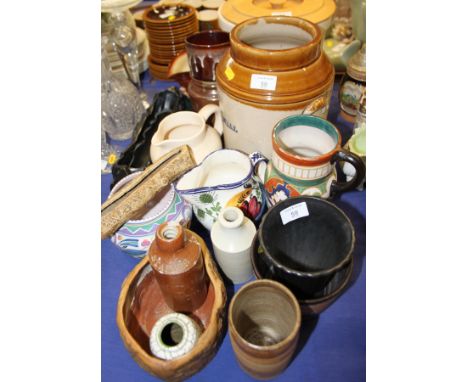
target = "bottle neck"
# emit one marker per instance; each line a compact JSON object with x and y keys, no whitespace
{"x":231,"y":217}
{"x":170,"y":237}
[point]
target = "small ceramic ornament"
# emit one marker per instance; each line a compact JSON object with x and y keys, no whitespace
{"x":232,"y":236}
{"x":173,"y":335}
{"x":353,"y":85}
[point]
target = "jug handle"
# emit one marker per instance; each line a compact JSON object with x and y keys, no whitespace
{"x":207,"y":110}
{"x":259,"y":163}
{"x":359,"y":166}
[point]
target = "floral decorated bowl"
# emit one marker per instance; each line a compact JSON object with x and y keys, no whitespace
{"x":136,"y":236}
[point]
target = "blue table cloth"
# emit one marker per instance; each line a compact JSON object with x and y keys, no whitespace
{"x":332,"y":347}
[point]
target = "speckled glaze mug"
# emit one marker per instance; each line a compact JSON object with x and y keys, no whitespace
{"x":264,"y":322}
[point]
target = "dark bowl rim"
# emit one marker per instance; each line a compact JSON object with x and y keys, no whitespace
{"x":295,"y":272}
{"x":304,"y":302}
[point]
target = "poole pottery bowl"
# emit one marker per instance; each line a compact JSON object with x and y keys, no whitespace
{"x":306,"y":241}
{"x":317,"y":302}
{"x":136,"y":236}
{"x":141,"y":305}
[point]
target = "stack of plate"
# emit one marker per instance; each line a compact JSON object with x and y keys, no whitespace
{"x":167,"y":26}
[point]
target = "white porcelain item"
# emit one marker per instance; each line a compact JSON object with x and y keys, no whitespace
{"x":173,"y":335}
{"x":232,"y":236}
{"x":188,"y":128}
{"x":225,"y":178}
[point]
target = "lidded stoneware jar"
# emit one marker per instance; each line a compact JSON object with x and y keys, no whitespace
{"x":275,"y":68}
{"x":233,"y":12}
{"x":177,"y":261}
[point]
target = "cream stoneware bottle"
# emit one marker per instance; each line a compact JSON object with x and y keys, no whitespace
{"x":232,"y":236}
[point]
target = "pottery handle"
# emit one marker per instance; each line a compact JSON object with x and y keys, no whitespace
{"x":359,"y":166}
{"x":259,"y":163}
{"x":206,"y":112}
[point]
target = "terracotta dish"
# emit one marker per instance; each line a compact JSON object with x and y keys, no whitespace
{"x":141,"y":304}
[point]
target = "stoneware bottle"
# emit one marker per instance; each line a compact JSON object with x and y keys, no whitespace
{"x":232,"y":236}
{"x":177,"y":261}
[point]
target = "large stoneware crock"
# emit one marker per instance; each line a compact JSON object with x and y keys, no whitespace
{"x":275,"y":68}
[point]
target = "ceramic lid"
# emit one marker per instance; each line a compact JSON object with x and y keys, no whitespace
{"x":357,"y":65}
{"x":212,"y":4}
{"x":316,"y":11}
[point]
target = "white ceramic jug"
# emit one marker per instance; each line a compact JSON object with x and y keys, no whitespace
{"x":188,"y":128}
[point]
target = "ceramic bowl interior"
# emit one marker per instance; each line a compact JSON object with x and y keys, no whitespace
{"x":274,"y":36}
{"x":208,"y":39}
{"x":311,"y":245}
{"x":306,"y":136}
{"x":221,"y":168}
{"x":147,"y":297}
{"x":263,"y":314}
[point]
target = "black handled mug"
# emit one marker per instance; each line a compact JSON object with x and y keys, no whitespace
{"x":305,"y":151}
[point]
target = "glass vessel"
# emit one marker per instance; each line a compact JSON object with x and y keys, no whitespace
{"x":121,"y":104}
{"x":123,"y":36}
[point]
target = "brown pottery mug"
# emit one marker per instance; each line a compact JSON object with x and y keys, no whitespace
{"x":264,"y":322}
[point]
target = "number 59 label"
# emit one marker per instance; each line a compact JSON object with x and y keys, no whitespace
{"x":294,"y":212}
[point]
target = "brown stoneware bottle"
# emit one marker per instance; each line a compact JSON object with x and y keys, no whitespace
{"x":177,"y":261}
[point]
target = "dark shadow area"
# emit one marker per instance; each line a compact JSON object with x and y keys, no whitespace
{"x":359,"y":223}
{"x":197,"y":227}
{"x":307,"y":327}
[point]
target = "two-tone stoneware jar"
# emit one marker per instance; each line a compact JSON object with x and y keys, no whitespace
{"x":275,"y":68}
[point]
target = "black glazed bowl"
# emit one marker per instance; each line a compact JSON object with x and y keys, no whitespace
{"x":311,"y":304}
{"x":306,"y":253}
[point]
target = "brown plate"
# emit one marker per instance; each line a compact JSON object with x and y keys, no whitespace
{"x":149,"y":17}
{"x":158,"y":57}
{"x":171,"y":38}
{"x":167,"y":49}
{"x":323,"y":299}
{"x":141,"y":304}
{"x":158,"y":28}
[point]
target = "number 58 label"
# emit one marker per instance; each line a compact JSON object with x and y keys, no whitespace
{"x":263,"y":82}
